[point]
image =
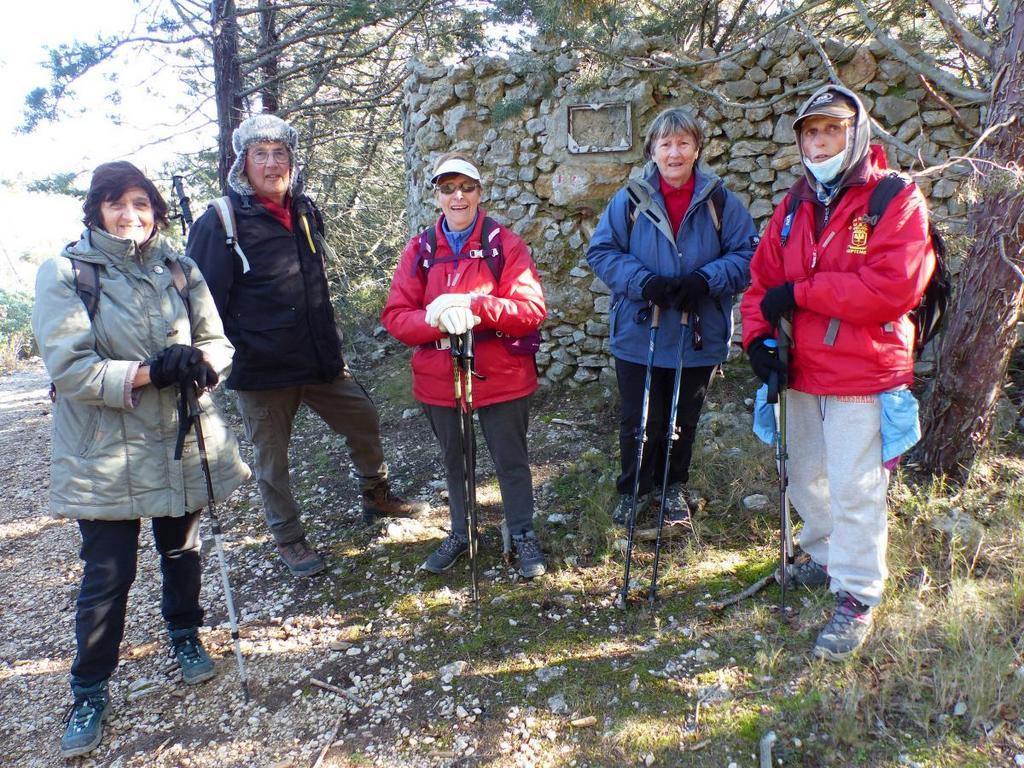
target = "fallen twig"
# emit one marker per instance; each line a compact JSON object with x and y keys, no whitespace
{"x":327,"y":746}
{"x":753,"y":589}
{"x":334,"y":689}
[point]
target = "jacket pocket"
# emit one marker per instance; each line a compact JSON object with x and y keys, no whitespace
{"x":89,"y":432}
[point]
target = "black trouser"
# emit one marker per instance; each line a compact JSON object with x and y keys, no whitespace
{"x":110,"y":553}
{"x":504,"y":426}
{"x":693,"y":388}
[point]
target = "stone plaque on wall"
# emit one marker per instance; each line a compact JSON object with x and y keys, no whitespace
{"x":600,"y":127}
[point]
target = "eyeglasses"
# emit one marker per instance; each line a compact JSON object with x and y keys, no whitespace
{"x":467,"y":187}
{"x":263,"y":156}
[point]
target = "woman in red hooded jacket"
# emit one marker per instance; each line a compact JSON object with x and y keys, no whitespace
{"x":847,"y":283}
{"x":450,"y":287}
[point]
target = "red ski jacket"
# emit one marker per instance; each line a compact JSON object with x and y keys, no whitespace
{"x":513,"y":306}
{"x":866,"y":278}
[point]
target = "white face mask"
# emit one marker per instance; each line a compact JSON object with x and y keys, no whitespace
{"x":826,"y":170}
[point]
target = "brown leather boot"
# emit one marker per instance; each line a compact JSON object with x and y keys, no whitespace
{"x":381,"y":502}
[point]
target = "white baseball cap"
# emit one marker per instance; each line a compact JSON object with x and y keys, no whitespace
{"x":455,"y":165}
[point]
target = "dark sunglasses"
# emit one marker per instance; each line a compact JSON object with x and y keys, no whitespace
{"x":467,"y":187}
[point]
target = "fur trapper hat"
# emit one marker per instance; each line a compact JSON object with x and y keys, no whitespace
{"x":258,"y":128}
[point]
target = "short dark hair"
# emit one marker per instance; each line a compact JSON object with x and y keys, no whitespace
{"x":110,"y":181}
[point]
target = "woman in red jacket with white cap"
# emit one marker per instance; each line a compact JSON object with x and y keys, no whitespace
{"x":449,"y":281}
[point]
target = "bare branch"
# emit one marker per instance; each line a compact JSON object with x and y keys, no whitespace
{"x":967,"y":157}
{"x":953,"y":111}
{"x":964,"y":37}
{"x":936,"y":75}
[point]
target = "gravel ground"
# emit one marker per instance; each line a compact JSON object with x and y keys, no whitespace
{"x":392,"y":699}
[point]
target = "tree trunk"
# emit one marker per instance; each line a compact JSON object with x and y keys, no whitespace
{"x":981,"y":330}
{"x":270,"y":93}
{"x":226,"y":80}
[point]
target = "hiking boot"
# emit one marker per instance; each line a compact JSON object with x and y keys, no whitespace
{"x":531,"y":557}
{"x":196,"y":664}
{"x":621,"y":514}
{"x":301,"y":559}
{"x":804,"y":572}
{"x":676,"y":505}
{"x":381,"y":502}
{"x":444,"y":557}
{"x":84,"y":729}
{"x":846,"y":631}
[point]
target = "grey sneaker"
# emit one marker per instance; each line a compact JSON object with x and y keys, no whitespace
{"x":301,"y":559}
{"x":621,"y":514}
{"x":804,"y":572}
{"x":381,"y":502}
{"x":444,"y":557}
{"x":531,"y":558}
{"x":846,"y":631}
{"x":196,"y":664}
{"x":84,"y":730}
{"x":676,"y":504}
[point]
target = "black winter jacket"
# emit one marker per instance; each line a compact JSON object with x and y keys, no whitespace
{"x":278,"y":315}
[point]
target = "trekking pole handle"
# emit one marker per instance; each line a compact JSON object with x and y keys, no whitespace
{"x":656,"y":317}
{"x":773,"y":377}
{"x":183,"y":200}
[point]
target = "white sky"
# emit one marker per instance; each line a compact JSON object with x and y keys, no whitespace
{"x":38,"y":224}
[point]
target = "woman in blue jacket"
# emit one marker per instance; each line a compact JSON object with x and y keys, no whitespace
{"x":682,"y":242}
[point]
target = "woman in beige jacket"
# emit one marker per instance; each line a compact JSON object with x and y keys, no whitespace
{"x":122,"y":325}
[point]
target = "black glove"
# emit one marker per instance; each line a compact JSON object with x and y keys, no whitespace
{"x":660,"y":290}
{"x":203,"y":374}
{"x":777,"y":302}
{"x":765,"y":361}
{"x":171,"y":364}
{"x":689,"y":292}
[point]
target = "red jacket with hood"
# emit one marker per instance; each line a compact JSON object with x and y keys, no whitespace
{"x":513,"y":305}
{"x":868,"y":287}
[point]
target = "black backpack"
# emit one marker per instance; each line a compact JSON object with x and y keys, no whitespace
{"x":929,"y":314}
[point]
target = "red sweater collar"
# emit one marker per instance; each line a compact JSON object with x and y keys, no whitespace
{"x":282,"y":213}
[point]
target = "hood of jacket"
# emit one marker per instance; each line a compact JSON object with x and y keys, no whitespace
{"x":858,"y":140}
{"x":100,"y":247}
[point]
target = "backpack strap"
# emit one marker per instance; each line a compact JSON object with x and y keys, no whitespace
{"x":87,"y":284}
{"x":792,"y":203}
{"x":717,"y":207}
{"x":180,"y":284}
{"x":882,"y":195}
{"x":490,"y":249}
{"x":226,"y":214}
{"x":641,"y":197}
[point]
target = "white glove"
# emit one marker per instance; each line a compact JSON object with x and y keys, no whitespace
{"x":443,"y":302}
{"x":457,"y":320}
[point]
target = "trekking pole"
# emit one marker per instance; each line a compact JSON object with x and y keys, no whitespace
{"x":194,"y":412}
{"x":640,"y":442}
{"x":183,"y":203}
{"x":462,"y":357}
{"x":671,"y":436}
{"x":777,"y":394}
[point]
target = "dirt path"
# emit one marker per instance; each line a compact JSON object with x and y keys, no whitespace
{"x":351,"y":629}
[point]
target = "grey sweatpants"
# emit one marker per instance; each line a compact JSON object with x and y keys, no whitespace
{"x":268,"y":415}
{"x":838,"y":485}
{"x":504,"y":427}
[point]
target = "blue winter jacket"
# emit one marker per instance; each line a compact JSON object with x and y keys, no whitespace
{"x":624,"y":260}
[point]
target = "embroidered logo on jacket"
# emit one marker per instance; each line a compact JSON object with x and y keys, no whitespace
{"x":858,"y":237}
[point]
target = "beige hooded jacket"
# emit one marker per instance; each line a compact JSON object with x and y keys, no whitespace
{"x":113,"y":447}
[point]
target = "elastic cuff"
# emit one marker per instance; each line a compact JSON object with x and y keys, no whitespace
{"x":131,"y":397}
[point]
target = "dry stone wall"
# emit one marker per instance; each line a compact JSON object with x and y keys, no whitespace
{"x":550,"y":185}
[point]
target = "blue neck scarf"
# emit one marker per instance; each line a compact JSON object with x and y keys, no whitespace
{"x":457,"y":239}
